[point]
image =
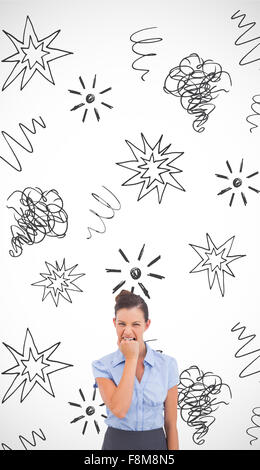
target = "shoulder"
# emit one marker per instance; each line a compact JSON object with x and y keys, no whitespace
{"x":164,"y":358}
{"x":106,"y":360}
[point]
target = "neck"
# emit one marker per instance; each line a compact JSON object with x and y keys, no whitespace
{"x":142,"y":353}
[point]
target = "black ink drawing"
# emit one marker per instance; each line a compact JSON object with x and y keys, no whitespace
{"x":256,"y":104}
{"x":197,"y":399}
{"x":58,"y":281}
{"x":14,"y":162}
{"x":215,"y":260}
{"x":237,"y":43}
{"x":88,"y":411}
{"x":236,"y":182}
{"x":23,"y":440}
{"x":101,"y":217}
{"x":38,"y":214}
{"x":194,"y":81}
{"x":136,"y":272}
{"x":32,"y":55}
{"x":240,"y":337}
{"x":139,"y":44}
{"x":256,"y":424}
{"x":91,"y":99}
{"x":151,"y":171}
{"x":32,"y":367}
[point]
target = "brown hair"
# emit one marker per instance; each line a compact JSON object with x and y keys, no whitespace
{"x":127,"y":299}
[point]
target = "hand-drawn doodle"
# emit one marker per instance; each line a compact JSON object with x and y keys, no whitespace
{"x":241,"y":25}
{"x":154,"y":173}
{"x":194,"y":82}
{"x":89,"y":411}
{"x":32,"y":367}
{"x":256,"y":101}
{"x":215,"y":260}
{"x":256,"y":425}
{"x":196,"y":390}
{"x":139,"y":44}
{"x":22,"y":439}
{"x":236,"y":183}
{"x":136,"y":272}
{"x":101,"y":217}
{"x":12,"y":161}
{"x":58,"y":281}
{"x":90,"y":98}
{"x":40,"y":214}
{"x":247,"y":353}
{"x":32,"y":55}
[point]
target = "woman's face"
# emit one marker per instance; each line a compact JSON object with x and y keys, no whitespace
{"x":130,"y":323}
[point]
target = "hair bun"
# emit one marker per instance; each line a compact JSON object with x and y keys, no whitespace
{"x":123,"y":292}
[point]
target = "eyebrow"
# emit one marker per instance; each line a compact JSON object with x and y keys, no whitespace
{"x":121,"y":321}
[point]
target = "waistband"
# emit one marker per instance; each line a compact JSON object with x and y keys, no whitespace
{"x":125,"y":431}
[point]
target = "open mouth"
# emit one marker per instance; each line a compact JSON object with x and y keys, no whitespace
{"x":130,"y":339}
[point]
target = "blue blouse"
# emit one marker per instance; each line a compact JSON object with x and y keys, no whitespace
{"x":147,"y":408}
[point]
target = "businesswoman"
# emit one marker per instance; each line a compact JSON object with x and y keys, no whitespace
{"x":137,"y":384}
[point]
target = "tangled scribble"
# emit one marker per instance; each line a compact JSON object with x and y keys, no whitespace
{"x":255,"y":104}
{"x":137,"y":42}
{"x":196,"y":399}
{"x":257,"y":424}
{"x":38,"y":214}
{"x":195,"y":82}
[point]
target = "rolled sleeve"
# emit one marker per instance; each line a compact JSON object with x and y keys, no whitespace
{"x":173,"y":373}
{"x":99,"y":369}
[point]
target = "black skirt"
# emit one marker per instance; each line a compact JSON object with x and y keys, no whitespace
{"x":117,"y":439}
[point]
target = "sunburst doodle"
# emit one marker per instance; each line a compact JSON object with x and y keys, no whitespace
{"x":33,"y":55}
{"x":215,"y":261}
{"x":90,"y":98}
{"x":32,"y":367}
{"x":136,"y":272}
{"x":88,"y":411}
{"x":236,"y":183}
{"x":152,"y":172}
{"x":58,"y":281}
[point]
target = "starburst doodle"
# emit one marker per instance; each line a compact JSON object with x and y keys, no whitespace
{"x":88,"y":411}
{"x":90,"y":98}
{"x":136,"y":272}
{"x":32,"y":55}
{"x":152,"y":172}
{"x":236,"y":183}
{"x":215,"y":261}
{"x":32,"y":367}
{"x":58,"y":281}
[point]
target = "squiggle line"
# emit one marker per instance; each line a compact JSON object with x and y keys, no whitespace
{"x":245,"y":354}
{"x":257,"y":425}
{"x":257,"y":113}
{"x":30,"y":150}
{"x":105,"y":203}
{"x":251,"y":25}
{"x":22,"y":438}
{"x":143,"y":41}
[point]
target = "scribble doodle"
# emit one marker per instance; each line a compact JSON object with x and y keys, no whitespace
{"x":58,"y":281}
{"x":89,"y":98}
{"x":237,"y":43}
{"x":101,"y":217}
{"x":195,"y":82}
{"x":139,"y":43}
{"x":32,"y":55}
{"x":14,"y":162}
{"x":32,"y":367}
{"x":136,"y":272}
{"x":215,"y":260}
{"x":256,"y":424}
{"x":153,"y":172}
{"x":88,"y":411}
{"x":236,"y":183}
{"x":38,"y":214}
{"x":234,"y":328}
{"x":197,"y":401}
{"x":256,"y":101}
{"x":23,"y":440}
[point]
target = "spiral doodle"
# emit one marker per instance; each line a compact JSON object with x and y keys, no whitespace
{"x":101,"y":217}
{"x":194,"y":82}
{"x":40,"y":214}
{"x":137,"y":43}
{"x":257,"y":425}
{"x":256,"y":112}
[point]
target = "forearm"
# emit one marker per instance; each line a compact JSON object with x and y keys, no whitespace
{"x":122,"y":398}
{"x":172,"y":437}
